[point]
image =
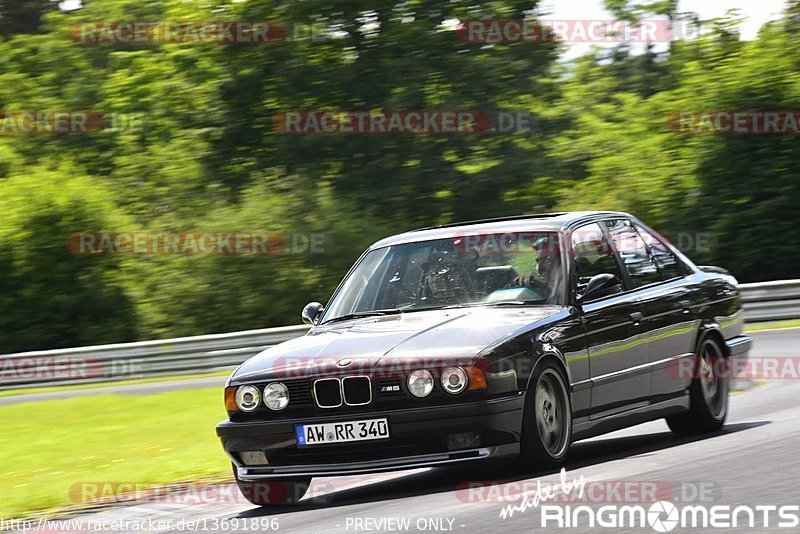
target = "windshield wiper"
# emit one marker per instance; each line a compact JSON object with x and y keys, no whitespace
{"x":515,"y":303}
{"x":360,"y":315}
{"x":429,"y":308}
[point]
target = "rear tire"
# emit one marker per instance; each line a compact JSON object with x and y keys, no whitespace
{"x":547,"y":418}
{"x":708,"y":393}
{"x":273,"y":492}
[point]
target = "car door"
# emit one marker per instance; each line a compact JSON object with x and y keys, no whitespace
{"x":663,"y":300}
{"x":616,"y":344}
{"x":670,"y":313}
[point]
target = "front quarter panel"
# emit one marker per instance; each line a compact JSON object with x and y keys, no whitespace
{"x":720,"y":305}
{"x":511,"y":364}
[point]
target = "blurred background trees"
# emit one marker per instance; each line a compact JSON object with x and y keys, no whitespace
{"x":206,"y":157}
{"x":23,"y":16}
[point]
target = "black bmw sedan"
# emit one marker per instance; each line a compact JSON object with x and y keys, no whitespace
{"x":508,"y":338}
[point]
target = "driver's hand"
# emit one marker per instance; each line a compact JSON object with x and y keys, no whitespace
{"x":526,"y":280}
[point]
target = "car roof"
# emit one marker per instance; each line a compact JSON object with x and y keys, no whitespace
{"x":542,"y":222}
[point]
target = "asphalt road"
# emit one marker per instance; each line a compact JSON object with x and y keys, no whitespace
{"x":752,"y":462}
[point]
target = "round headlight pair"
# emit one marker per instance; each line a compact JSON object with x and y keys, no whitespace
{"x":276,"y":397}
{"x":454,"y":380}
{"x":420,"y":382}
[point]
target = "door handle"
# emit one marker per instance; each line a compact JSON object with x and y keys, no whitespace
{"x":686,"y":306}
{"x":637,"y":317}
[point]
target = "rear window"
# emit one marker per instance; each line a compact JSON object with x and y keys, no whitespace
{"x":634,"y":253}
{"x":668,"y":265}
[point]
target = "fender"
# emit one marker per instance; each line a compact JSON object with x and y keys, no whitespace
{"x":547,"y":350}
{"x":711,"y":327}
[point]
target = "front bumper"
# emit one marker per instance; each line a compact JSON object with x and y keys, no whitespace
{"x":739,"y":346}
{"x":418,"y":439}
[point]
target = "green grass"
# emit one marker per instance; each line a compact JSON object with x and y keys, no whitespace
{"x":47,"y":447}
{"x":772,"y":325}
{"x":46,"y":389}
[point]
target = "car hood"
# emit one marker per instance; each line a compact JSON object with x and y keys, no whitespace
{"x":362,"y":344}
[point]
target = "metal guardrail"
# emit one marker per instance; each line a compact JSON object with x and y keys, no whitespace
{"x":771,"y":301}
{"x":123,"y":361}
{"x":190,"y":355}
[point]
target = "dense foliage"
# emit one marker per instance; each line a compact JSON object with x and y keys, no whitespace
{"x":206,"y":155}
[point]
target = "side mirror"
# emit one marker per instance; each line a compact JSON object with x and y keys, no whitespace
{"x":312,"y":312}
{"x":599,"y":286}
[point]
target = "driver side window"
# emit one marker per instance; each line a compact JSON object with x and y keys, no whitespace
{"x":591,"y":255}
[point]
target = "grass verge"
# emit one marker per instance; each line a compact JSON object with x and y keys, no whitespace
{"x":772,"y":325}
{"x":48,"y":447}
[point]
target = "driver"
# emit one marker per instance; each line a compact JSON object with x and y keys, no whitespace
{"x":546,"y":279}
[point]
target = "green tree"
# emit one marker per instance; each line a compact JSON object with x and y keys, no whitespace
{"x":22,"y":16}
{"x":49,"y":296}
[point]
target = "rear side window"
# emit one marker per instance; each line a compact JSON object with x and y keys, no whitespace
{"x":665,"y":260}
{"x":592,"y":255}
{"x":634,"y":253}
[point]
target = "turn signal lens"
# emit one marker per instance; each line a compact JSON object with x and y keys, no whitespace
{"x":230,"y":402}
{"x":477,"y":378}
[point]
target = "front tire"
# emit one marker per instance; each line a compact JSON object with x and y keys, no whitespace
{"x":708,"y":393}
{"x":547,"y":419}
{"x":273,"y":492}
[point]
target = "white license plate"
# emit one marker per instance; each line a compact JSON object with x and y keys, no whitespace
{"x":342,"y":432}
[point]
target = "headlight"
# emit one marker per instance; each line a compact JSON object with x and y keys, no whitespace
{"x":454,"y":380}
{"x":420,"y":383}
{"x":276,"y":396}
{"x":247,"y":398}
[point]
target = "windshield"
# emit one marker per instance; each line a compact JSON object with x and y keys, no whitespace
{"x":519,"y":268}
